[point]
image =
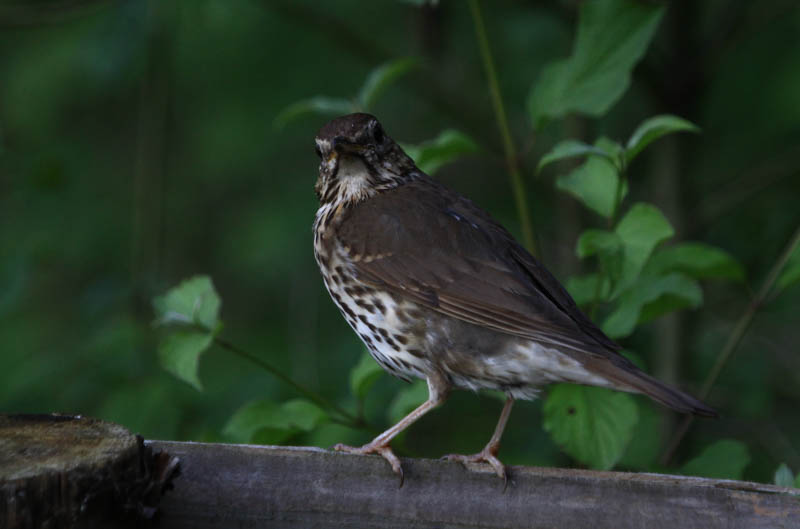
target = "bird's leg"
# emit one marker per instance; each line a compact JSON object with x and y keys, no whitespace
{"x":438,"y":389}
{"x":489,"y":452}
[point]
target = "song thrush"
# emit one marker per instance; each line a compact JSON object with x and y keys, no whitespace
{"x":438,"y":290}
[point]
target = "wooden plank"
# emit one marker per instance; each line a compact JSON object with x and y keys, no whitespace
{"x":291,"y":487}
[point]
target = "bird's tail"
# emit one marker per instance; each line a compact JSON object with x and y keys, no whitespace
{"x":671,"y":397}
{"x":624,"y":375}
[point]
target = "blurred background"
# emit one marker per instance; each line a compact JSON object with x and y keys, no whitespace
{"x":138,"y":148}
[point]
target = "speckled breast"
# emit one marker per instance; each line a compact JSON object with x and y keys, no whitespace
{"x":410,"y":340}
{"x":388,"y":325}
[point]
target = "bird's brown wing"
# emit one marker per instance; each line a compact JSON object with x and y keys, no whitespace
{"x":435,"y":247}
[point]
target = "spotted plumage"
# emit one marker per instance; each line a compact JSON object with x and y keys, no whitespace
{"x":438,"y":290}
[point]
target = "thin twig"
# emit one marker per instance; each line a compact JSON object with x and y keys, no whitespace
{"x":733,"y":340}
{"x":517,"y":184}
{"x":352,"y":420}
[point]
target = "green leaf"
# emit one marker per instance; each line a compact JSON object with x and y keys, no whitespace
{"x":264,"y":418}
{"x":594,"y":241}
{"x":641,"y":230}
{"x":696,"y":260}
{"x":179,"y":353}
{"x":250,"y":418}
{"x":381,"y":78}
{"x":679,"y":294}
{"x":724,"y":459}
{"x":612,"y":36}
{"x":303,"y":414}
{"x":190,"y":313}
{"x":316,"y":105}
{"x":570,"y":149}
{"x":797,"y":481}
{"x":791,"y":272}
{"x":593,"y":425}
{"x":594,"y":183}
{"x":193,"y":302}
{"x":784,"y":476}
{"x":613,"y":149}
{"x":606,"y":245}
{"x":364,"y":375}
{"x":652,"y":129}
{"x":407,"y":400}
{"x":643,"y":450}
{"x":448,"y":146}
{"x":649,"y":297}
{"x":584,"y":289}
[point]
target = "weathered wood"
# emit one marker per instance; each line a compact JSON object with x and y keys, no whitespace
{"x":287,"y":487}
{"x":66,"y":471}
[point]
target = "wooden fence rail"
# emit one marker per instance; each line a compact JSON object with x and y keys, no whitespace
{"x":243,"y":486}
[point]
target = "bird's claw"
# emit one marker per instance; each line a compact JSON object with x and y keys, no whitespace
{"x":487,"y":455}
{"x":385,"y":451}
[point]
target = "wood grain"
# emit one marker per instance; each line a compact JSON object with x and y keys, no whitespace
{"x":290,"y":487}
{"x":73,"y":472}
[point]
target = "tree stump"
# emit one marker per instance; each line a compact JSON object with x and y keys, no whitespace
{"x":70,"y":471}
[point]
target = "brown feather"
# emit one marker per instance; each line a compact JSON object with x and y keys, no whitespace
{"x":463,"y":264}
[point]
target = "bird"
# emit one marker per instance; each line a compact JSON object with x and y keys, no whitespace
{"x":438,"y":290}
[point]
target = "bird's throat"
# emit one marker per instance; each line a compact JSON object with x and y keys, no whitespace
{"x":354,"y":180}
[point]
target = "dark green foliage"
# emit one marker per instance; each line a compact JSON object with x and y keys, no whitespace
{"x":139,"y":147}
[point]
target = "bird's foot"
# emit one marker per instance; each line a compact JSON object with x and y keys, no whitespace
{"x":385,"y":451}
{"x":487,"y":455}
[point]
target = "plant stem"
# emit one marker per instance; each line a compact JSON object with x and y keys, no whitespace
{"x":512,"y":161}
{"x":351,"y":420}
{"x":622,"y":177}
{"x":733,"y":340}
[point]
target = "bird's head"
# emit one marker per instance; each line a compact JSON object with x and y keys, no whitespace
{"x":358,"y":159}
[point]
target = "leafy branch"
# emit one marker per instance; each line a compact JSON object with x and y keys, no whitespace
{"x":634,"y":278}
{"x":189,"y":317}
{"x":636,"y":281}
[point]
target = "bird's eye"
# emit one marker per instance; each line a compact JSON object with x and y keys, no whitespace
{"x":316,"y":150}
{"x":378,"y":134}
